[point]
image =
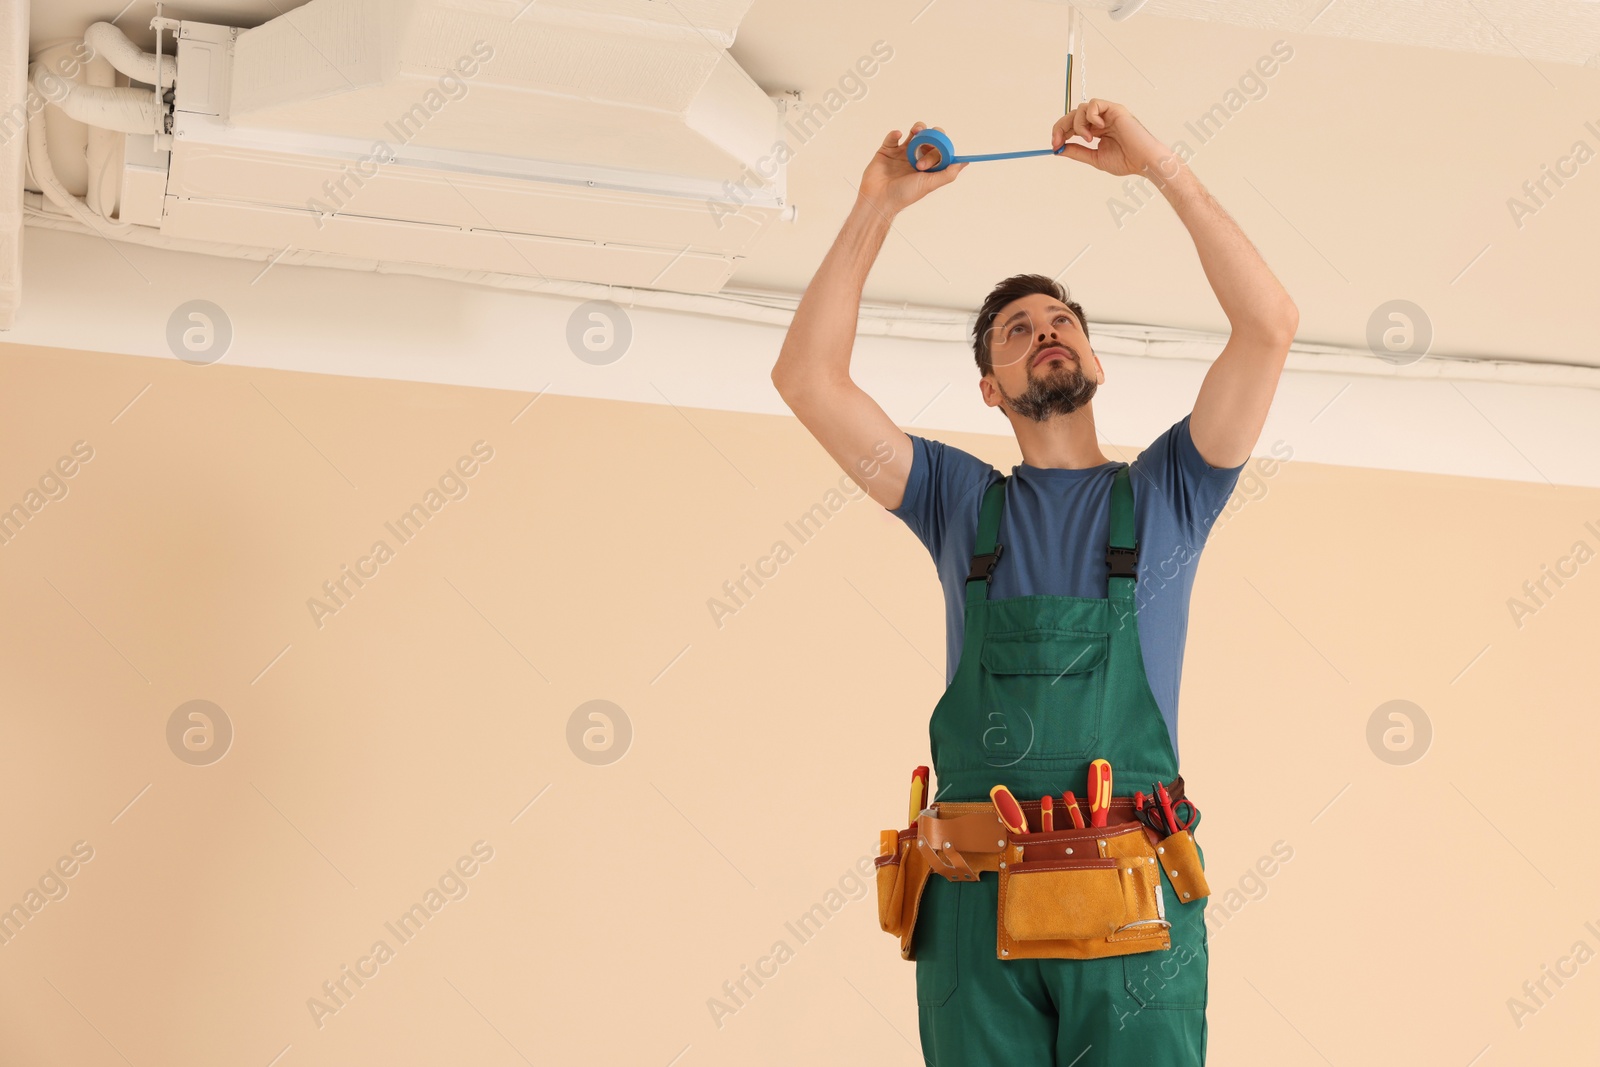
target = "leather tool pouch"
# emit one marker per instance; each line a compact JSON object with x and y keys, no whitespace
{"x":1081,"y":894}
{"x":901,"y":875}
{"x":1180,"y":858}
{"x":957,"y":847}
{"x":891,"y":872}
{"x":1071,"y":893}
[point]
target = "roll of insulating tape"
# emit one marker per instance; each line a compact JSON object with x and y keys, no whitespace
{"x":940,"y":143}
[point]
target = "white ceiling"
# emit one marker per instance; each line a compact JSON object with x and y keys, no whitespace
{"x":1367,"y":172}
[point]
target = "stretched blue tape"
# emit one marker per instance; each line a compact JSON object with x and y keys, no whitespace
{"x":940,"y":142}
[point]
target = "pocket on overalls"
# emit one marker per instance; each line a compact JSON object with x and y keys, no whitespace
{"x":938,"y":948}
{"x":1042,"y":693}
{"x":1176,"y":978}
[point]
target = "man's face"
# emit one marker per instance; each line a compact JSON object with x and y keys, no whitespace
{"x":1040,"y":352}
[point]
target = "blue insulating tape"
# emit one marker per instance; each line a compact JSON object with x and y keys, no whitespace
{"x":939,"y":141}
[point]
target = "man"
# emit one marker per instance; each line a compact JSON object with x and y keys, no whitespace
{"x":1058,"y":557}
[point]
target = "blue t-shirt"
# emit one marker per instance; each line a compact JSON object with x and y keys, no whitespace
{"x":1055,"y":528}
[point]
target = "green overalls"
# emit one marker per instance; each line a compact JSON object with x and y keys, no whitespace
{"x":1045,"y":685}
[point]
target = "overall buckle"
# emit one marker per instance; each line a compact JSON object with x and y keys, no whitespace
{"x":1121,"y":561}
{"x":983,"y":565}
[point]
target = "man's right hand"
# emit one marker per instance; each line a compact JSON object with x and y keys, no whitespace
{"x":891,"y":184}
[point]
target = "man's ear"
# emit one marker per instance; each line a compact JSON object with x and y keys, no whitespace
{"x":991,"y":395}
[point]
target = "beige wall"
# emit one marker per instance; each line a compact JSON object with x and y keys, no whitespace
{"x":375,"y":751}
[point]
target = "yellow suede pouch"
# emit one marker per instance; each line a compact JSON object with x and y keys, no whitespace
{"x":1063,"y":899}
{"x":1180,"y":858}
{"x":891,"y":874}
{"x":902,"y":874}
{"x":1143,"y":909}
{"x":1088,"y":902}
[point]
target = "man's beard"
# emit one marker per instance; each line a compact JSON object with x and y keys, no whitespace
{"x":1056,"y":392}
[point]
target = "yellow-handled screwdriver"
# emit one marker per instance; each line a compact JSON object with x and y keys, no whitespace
{"x":919,"y":793}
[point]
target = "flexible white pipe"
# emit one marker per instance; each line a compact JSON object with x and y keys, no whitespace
{"x":127,"y":110}
{"x":44,"y":174}
{"x":105,"y":146}
{"x":108,"y":41}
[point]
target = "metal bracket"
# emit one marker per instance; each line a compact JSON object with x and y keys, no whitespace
{"x":947,"y":862}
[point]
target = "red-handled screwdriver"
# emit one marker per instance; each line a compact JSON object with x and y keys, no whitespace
{"x":1047,"y":815}
{"x":1099,"y":791}
{"x":1070,"y":802}
{"x":1010,"y":812}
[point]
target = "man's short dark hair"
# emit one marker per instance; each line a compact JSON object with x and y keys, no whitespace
{"x":1014,"y":288}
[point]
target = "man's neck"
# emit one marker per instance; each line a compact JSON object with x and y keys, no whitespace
{"x":1060,"y":441}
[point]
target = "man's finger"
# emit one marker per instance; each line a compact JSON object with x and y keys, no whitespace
{"x":1081,"y":125}
{"x":1081,"y":154}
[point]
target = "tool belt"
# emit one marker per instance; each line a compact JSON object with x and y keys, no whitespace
{"x":1070,"y":893}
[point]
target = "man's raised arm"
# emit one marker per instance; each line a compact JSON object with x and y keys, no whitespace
{"x":1233,"y":401}
{"x":812,"y":373}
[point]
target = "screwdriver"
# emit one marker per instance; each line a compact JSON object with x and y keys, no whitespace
{"x":1070,"y":802}
{"x":1010,"y":812}
{"x":919,"y":792}
{"x":1099,"y":791}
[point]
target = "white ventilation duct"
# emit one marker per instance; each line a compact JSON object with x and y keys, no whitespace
{"x":126,"y":110}
{"x":112,"y":45}
{"x":1555,"y":31}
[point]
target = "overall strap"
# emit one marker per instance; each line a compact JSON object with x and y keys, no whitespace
{"x":986,"y":553}
{"x":1122,"y":552}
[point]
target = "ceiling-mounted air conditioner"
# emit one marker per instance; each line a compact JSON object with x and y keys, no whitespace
{"x":609,"y":143}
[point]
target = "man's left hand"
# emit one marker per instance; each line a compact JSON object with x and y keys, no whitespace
{"x":1126,"y":147}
